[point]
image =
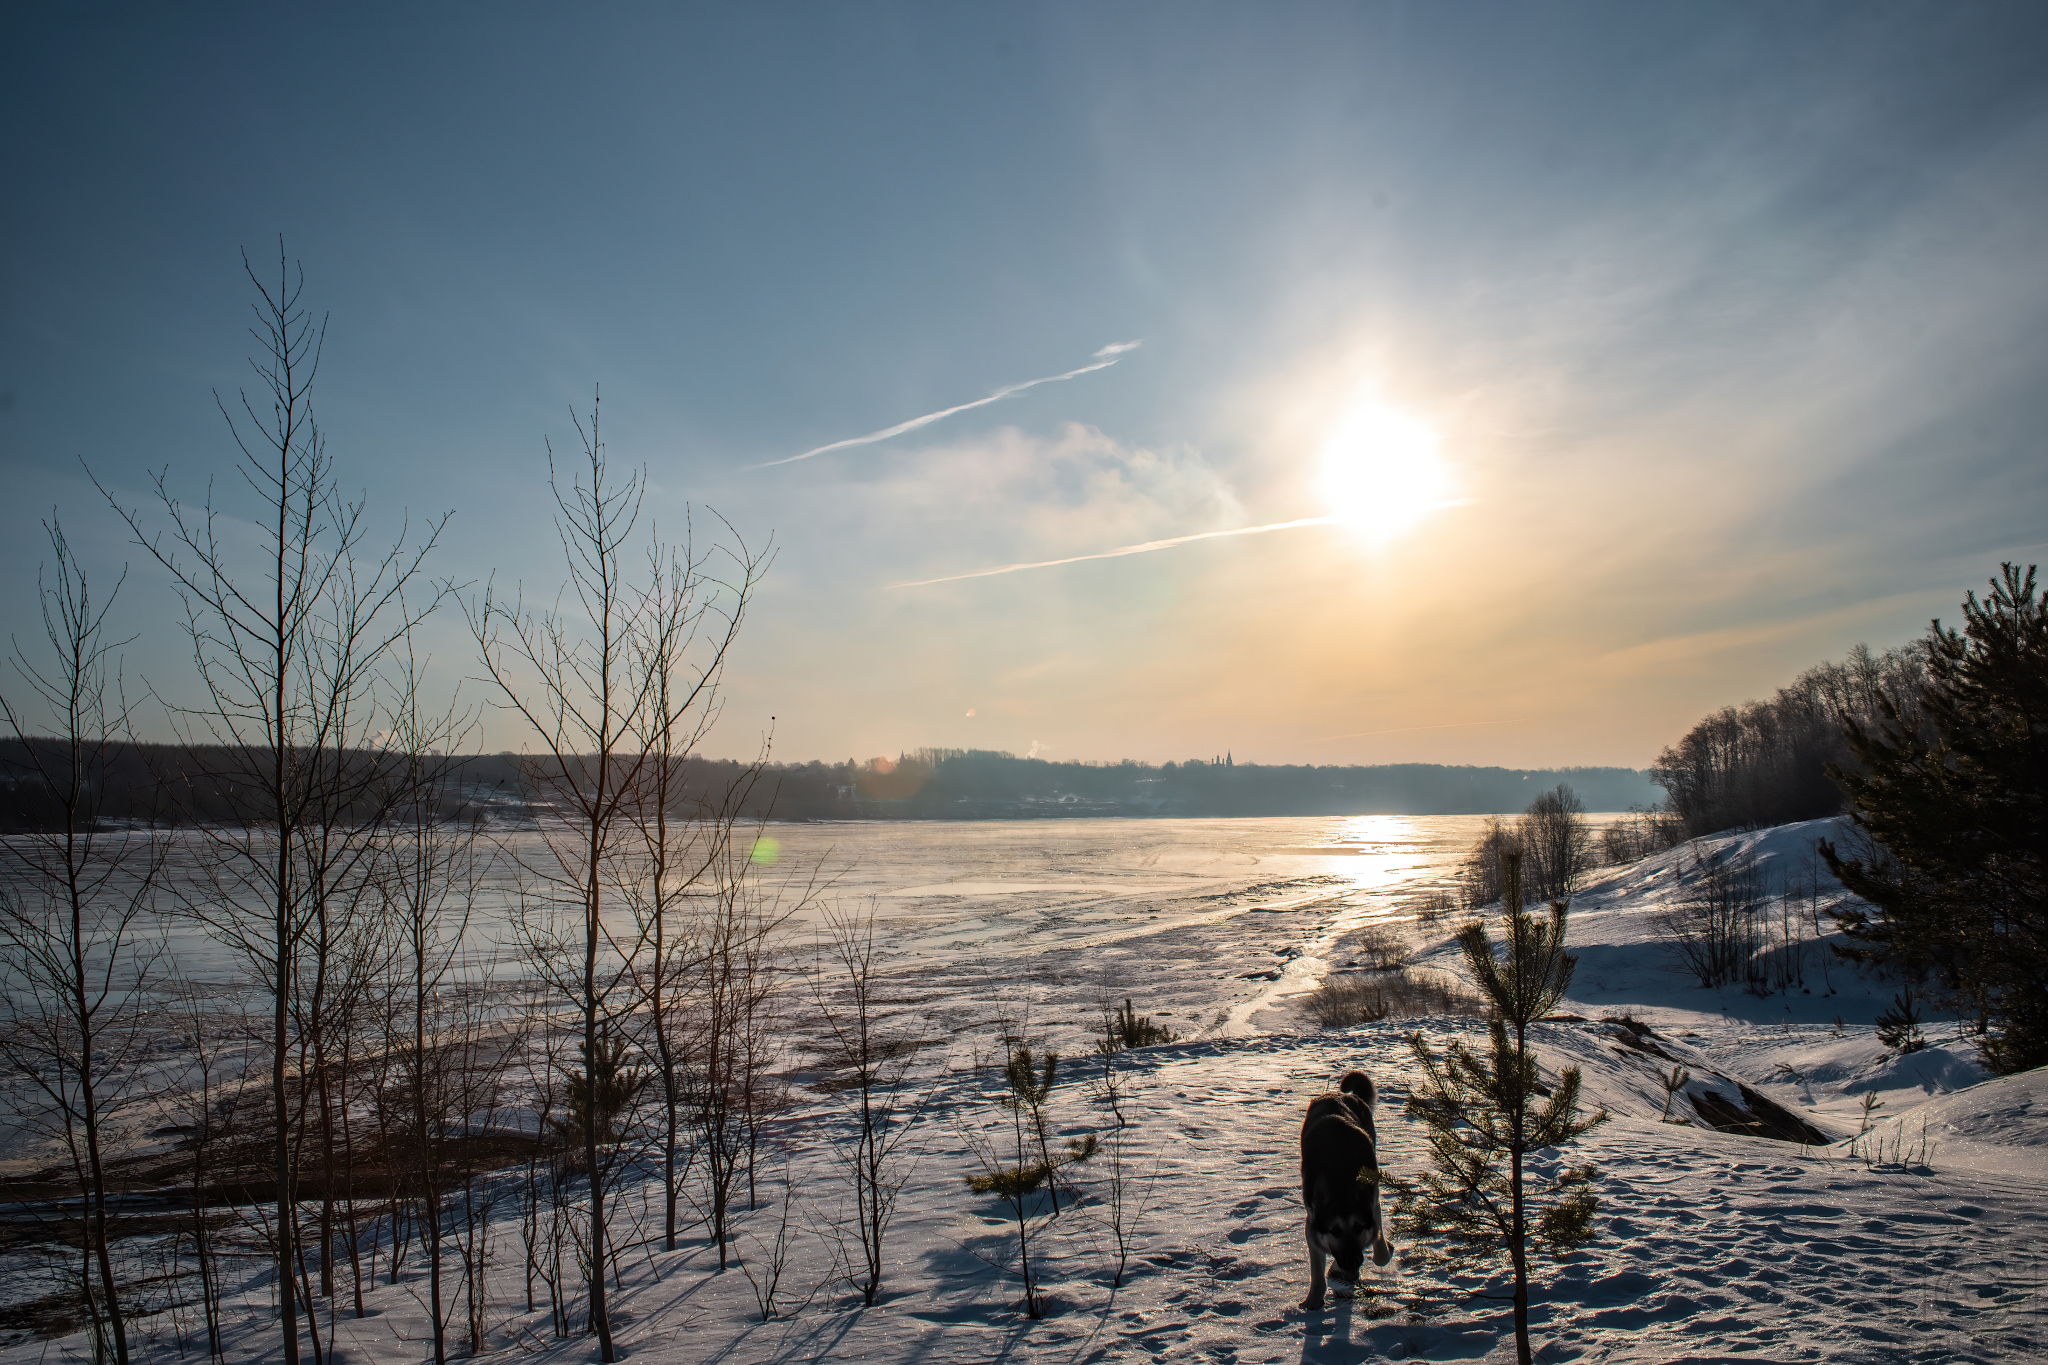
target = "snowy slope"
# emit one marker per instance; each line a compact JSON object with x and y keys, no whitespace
{"x":1924,"y":1238}
{"x":1711,"y":1245}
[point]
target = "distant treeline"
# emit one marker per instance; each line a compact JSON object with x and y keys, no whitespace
{"x":167,"y":785}
{"x":1766,"y":762}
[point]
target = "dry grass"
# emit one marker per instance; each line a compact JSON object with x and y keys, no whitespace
{"x":1347,"y":998}
{"x":1437,"y":906}
{"x":1381,"y":948}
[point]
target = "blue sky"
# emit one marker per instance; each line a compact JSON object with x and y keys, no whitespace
{"x":1726,"y":322}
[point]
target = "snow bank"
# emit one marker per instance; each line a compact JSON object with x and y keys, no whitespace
{"x":1714,"y":1242}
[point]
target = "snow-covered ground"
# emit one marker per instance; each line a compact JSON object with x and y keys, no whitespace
{"x":1923,"y":1238}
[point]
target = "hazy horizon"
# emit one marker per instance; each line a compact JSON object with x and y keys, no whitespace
{"x":1333,"y":384}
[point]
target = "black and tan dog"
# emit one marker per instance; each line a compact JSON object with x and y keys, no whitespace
{"x":1338,"y":1147}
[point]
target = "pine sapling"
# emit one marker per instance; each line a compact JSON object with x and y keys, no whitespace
{"x":1673,"y":1084}
{"x":1479,"y":1121}
{"x":1899,"y":1026}
{"x":1028,"y":1088}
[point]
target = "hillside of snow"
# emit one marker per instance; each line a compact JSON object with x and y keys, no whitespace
{"x":1808,"y":1196}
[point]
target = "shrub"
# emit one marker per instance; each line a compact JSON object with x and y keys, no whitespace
{"x":1436,"y":907}
{"x":1122,"y":1028}
{"x":1347,"y":998}
{"x":1382,"y":949}
{"x":1552,"y":841}
{"x":1640,"y":833}
{"x":1712,"y":926}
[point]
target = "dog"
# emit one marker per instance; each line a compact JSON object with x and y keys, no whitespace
{"x":1338,"y":1147}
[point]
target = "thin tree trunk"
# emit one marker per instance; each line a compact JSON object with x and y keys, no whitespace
{"x":287,"y":1291}
{"x":97,"y":1217}
{"x":600,"y":1319}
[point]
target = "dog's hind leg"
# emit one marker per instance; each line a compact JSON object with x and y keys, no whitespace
{"x":1314,"y":1300}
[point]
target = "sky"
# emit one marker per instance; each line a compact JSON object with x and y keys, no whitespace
{"x":1493,"y":384}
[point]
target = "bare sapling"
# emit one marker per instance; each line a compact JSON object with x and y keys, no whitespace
{"x":566,"y":675}
{"x":735,"y":988}
{"x":874,"y":1090}
{"x":549,"y":1208}
{"x":433,"y":868}
{"x":482,"y":1047}
{"x":206,"y":1108}
{"x":290,"y":638}
{"x":79,"y":936}
{"x":691,"y":618}
{"x":1674,"y":1083}
{"x":768,"y":1267}
{"x":1125,"y":1195}
{"x":1029,"y":1166}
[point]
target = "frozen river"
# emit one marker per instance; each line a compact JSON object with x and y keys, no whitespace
{"x":1213,"y":924}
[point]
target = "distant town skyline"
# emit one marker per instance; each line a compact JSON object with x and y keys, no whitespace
{"x":1334,"y":384}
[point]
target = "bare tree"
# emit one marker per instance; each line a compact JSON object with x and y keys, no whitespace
{"x":1479,"y":876}
{"x":289,"y":641}
{"x":569,"y":677}
{"x":1711,"y":924}
{"x":77,"y":949}
{"x":1557,"y":844}
{"x":212,"y":1112}
{"x":613,"y":682}
{"x":690,"y":622}
{"x":735,"y":989}
{"x":430,"y":886}
{"x":874,"y":1089}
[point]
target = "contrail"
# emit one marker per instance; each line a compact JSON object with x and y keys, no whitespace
{"x":1126,"y":550}
{"x":1104,"y":358}
{"x":1402,"y":730}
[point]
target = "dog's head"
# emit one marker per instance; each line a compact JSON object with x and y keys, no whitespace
{"x":1346,"y":1223}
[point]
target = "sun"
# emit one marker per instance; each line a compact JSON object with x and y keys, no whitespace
{"x":1382,"y":469}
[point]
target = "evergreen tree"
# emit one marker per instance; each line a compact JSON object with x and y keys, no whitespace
{"x":607,"y":1084}
{"x":1479,"y":1121}
{"x":1954,"y":794}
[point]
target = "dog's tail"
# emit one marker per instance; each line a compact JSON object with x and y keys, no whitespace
{"x":1359,"y":1084}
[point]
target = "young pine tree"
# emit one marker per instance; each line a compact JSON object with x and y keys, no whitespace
{"x":1480,"y":1120}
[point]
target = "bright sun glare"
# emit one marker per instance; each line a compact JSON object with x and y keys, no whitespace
{"x":1381,"y":470}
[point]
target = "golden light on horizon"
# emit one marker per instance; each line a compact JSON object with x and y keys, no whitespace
{"x":1382,"y":470}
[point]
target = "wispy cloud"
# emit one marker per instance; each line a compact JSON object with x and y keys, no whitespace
{"x":1149,"y":545}
{"x":1104,"y":358}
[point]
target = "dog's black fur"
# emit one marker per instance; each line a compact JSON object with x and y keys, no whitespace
{"x":1338,"y":1146}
